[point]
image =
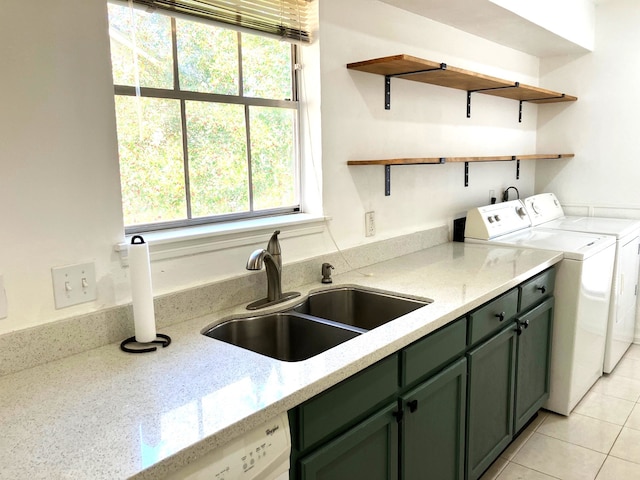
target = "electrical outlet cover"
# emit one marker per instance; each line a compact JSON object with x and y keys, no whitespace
{"x":3,"y":300}
{"x":370,"y":224}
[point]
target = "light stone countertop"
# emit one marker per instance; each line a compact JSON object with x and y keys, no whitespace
{"x":104,"y":414}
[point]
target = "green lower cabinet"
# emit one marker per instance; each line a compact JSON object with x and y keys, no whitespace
{"x":490,"y":400}
{"x":433,"y":427}
{"x":411,"y":417}
{"x":368,"y":451}
{"x":534,"y":356}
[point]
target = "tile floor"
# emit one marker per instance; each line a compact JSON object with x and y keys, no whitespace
{"x":600,"y":440}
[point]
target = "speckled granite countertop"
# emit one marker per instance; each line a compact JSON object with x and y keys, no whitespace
{"x":104,"y":414}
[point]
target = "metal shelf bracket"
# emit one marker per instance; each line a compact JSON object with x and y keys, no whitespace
{"x":469,"y":92}
{"x":387,"y":82}
{"x":387,"y":176}
{"x":520,"y":112}
{"x":387,"y":92}
{"x":466,"y":170}
{"x":387,"y":180}
{"x":536,"y":100}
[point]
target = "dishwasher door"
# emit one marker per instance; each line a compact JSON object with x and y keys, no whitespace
{"x":261,"y":454}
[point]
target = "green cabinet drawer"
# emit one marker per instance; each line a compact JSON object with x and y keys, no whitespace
{"x":493,"y":316}
{"x":537,"y":289}
{"x":347,"y":403}
{"x":423,"y":357}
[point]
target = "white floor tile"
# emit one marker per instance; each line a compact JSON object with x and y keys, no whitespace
{"x":603,"y":407}
{"x":618,"y":386}
{"x":633,"y":352}
{"x":495,"y":469}
{"x":634,"y":419}
{"x":574,"y":447}
{"x":559,"y":459}
{"x":627,"y":445}
{"x":513,"y":448}
{"x":514,"y":471}
{"x":580,"y":430}
{"x":617,"y":469}
{"x":628,"y":367}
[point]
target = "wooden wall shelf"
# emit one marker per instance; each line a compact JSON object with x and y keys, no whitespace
{"x":427,"y":71}
{"x":387,"y":163}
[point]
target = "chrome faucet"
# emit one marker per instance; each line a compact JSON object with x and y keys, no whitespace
{"x":271,"y":258}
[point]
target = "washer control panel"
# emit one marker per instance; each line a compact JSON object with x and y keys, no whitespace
{"x":490,"y":221}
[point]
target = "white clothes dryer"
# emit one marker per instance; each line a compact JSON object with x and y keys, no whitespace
{"x":583,"y":283}
{"x":545,"y":211}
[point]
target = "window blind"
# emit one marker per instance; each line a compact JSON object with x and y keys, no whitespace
{"x":288,"y":19}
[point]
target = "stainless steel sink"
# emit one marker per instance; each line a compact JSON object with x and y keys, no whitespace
{"x":357,"y":307}
{"x":322,"y":321}
{"x":285,"y":336}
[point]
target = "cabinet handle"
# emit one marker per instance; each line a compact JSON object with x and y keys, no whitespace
{"x":521,"y":326}
{"x":542,"y":289}
{"x":500,"y":316}
{"x":413,"y":405}
{"x":399,"y":414}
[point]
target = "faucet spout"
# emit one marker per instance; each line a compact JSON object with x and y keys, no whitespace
{"x":271,"y":259}
{"x":262,"y":257}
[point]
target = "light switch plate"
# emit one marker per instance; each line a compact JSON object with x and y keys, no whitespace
{"x":4,"y":308}
{"x":74,"y":284}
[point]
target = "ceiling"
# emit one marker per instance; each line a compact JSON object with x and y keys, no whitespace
{"x":487,"y":20}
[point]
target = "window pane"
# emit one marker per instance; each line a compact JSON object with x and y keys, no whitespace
{"x":151,"y":160}
{"x":149,"y":36}
{"x":207,"y":58}
{"x":273,"y":163}
{"x":218,"y":170}
{"x":266,"y":67}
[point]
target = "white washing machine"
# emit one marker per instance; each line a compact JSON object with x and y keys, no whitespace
{"x":545,"y":211}
{"x":261,"y":454}
{"x":583,"y":283}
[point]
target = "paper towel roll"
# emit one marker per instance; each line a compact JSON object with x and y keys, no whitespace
{"x":141,"y":291}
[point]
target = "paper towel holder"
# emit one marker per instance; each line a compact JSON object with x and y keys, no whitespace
{"x":164,"y":340}
{"x":144,"y":347}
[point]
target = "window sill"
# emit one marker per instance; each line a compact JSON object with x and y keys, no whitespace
{"x":181,"y":242}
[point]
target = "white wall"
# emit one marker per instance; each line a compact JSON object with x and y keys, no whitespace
{"x":59,"y":194}
{"x":59,"y":176}
{"x":602,"y":125}
{"x":570,"y":19}
{"x":424,"y":121}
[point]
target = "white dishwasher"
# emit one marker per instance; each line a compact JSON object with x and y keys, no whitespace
{"x":261,"y":454}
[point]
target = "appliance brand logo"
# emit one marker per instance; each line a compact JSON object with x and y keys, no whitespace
{"x":271,"y":431}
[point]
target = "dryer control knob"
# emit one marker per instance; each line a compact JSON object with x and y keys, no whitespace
{"x":535,"y":207}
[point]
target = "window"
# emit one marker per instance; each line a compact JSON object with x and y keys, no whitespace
{"x":207,"y":121}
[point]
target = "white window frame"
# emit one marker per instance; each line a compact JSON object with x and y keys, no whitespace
{"x":182,"y":96}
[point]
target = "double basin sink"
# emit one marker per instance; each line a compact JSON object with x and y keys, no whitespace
{"x":320,"y":322}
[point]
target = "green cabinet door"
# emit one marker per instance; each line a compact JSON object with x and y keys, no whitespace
{"x":368,"y":451}
{"x":490,"y":400}
{"x":433,"y":427}
{"x":534,"y":355}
